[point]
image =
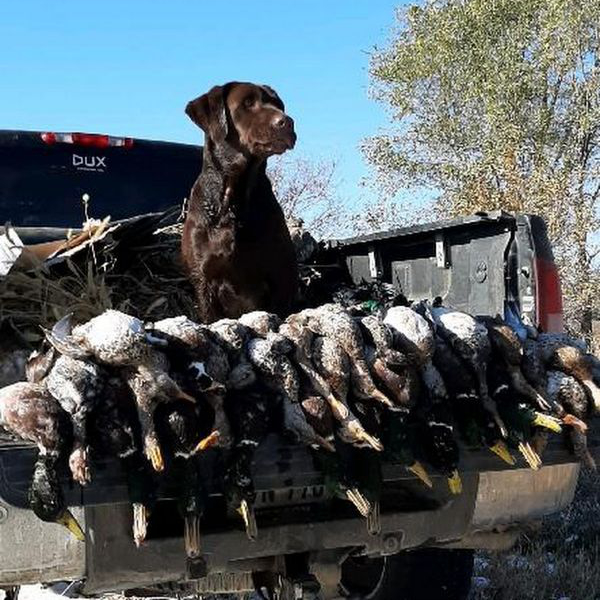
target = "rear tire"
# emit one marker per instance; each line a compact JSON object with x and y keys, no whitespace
{"x":428,"y":574}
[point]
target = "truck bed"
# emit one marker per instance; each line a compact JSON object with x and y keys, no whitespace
{"x":481,"y":264}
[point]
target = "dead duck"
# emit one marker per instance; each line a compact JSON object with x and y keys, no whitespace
{"x":179,"y":426}
{"x":252,"y":413}
{"x":333,"y":364}
{"x":331,"y":320}
{"x":412,"y":333}
{"x":438,"y":435}
{"x":573,"y":361}
{"x":120,"y":340}
{"x":474,"y":422}
{"x":78,"y":386}
{"x":151,"y":384}
{"x":280,"y":376}
{"x":233,"y":336}
{"x":565,"y":390}
{"x":260,"y":322}
{"x":509,"y":348}
{"x":30,"y":413}
{"x":469,"y":339}
{"x":113,"y":338}
{"x":196,"y":354}
{"x":379,"y":336}
{"x":114,"y":431}
{"x":521,"y":420}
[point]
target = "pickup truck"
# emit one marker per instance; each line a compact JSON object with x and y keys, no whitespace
{"x":486,"y":264}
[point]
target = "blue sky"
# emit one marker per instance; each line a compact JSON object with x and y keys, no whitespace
{"x":128,"y":67}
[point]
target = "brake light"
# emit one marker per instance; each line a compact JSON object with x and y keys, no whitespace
{"x":91,"y":140}
{"x":548,"y":296}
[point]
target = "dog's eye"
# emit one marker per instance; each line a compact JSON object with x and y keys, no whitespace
{"x":249,"y":101}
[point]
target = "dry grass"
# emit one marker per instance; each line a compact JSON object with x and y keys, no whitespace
{"x":135,"y":269}
{"x":559,"y":562}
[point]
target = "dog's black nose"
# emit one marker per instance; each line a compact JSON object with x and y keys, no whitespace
{"x":283,"y":122}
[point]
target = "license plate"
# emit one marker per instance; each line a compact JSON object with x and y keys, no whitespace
{"x":308,"y":494}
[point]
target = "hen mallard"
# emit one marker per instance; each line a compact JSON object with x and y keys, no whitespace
{"x":280,"y":375}
{"x":332,"y":320}
{"x":573,"y":361}
{"x":30,"y":413}
{"x":333,"y":364}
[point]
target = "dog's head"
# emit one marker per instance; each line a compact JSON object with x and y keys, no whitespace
{"x":250,"y":117}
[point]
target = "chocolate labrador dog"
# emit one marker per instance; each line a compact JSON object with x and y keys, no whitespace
{"x":236,"y":247}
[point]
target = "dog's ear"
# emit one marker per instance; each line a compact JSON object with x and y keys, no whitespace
{"x":208,"y":112}
{"x":275,"y":99}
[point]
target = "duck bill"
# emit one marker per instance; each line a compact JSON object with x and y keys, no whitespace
{"x":455,"y":483}
{"x":140,"y":524}
{"x":191,"y":536}
{"x":500,"y":449}
{"x":66,"y":519}
{"x":154,"y":454}
{"x":547,"y":422}
{"x":419,"y":470}
{"x":247,"y":513}
{"x":210,"y":441}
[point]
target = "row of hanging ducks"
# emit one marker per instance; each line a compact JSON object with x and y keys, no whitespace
{"x":356,"y":383}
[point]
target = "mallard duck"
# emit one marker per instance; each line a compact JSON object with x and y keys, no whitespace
{"x":520,"y":418}
{"x":78,"y":386}
{"x":252,"y":413}
{"x":195,"y":352}
{"x":120,"y":340}
{"x":378,"y":335}
{"x":233,"y":336}
{"x":260,"y":322}
{"x":113,"y":338}
{"x":399,"y":445}
{"x":565,"y":390}
{"x":469,"y":339}
{"x":331,"y":320}
{"x":179,"y":426}
{"x":411,"y":333}
{"x":114,"y":432}
{"x":280,"y":376}
{"x":509,"y":348}
{"x":476,"y":424}
{"x":333,"y":364}
{"x":30,"y":413}
{"x":151,"y":385}
{"x":439,"y":444}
